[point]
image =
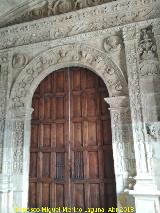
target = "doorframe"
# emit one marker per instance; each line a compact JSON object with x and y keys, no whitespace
{"x":20,"y":113}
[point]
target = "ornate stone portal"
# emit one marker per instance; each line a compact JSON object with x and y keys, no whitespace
{"x":116,"y":49}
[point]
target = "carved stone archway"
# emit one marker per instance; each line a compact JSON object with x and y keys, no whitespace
{"x":62,"y":56}
{"x":20,"y":114}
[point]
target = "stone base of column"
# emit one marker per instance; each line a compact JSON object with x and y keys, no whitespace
{"x":147,"y":197}
{"x":6,"y":195}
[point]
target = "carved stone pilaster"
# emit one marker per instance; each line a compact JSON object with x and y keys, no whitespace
{"x":5,"y":178}
{"x":141,"y":65}
{"x":135,"y":100}
{"x":123,"y":149}
{"x":3,"y":98}
{"x":20,"y":116}
{"x":122,"y":135}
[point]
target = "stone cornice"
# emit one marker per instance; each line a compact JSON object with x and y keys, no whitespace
{"x":78,"y":22}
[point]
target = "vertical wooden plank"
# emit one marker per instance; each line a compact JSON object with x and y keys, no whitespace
{"x":45,"y":195}
{"x":94,"y":195}
{"x":33,"y":195}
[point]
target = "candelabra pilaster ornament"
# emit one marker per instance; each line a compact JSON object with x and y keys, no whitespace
{"x":142,"y":68}
{"x":130,"y":40}
{"x":147,"y":52}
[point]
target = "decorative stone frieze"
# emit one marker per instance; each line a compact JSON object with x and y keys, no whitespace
{"x":48,"y":8}
{"x":87,"y":20}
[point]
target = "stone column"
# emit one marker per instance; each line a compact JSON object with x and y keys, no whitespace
{"x":123,"y":150}
{"x":5,"y":145}
{"x":21,"y":128}
{"x":141,"y":62}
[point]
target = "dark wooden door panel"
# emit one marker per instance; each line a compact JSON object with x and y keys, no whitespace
{"x":49,"y":139}
{"x":71,"y":160}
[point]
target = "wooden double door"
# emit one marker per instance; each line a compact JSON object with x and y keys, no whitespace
{"x":71,"y":160}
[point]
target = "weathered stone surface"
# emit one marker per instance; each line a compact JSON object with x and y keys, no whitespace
{"x":119,"y":41}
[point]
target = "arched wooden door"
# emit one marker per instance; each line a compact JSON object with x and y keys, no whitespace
{"x":71,"y":160}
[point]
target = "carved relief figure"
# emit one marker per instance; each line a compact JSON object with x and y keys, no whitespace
{"x":79,"y":4}
{"x":148,"y":57}
{"x":147,"y":49}
{"x":94,"y":2}
{"x":19,"y":60}
{"x":63,"y":6}
{"x":114,"y":46}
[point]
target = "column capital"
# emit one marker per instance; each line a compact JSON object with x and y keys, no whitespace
{"x":119,"y":102}
{"x":21,"y":113}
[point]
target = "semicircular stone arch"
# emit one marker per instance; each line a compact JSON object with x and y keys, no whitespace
{"x":22,"y":92}
{"x":66,"y":56}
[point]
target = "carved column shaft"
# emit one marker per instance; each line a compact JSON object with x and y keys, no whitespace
{"x":21,"y":119}
{"x":123,"y":150}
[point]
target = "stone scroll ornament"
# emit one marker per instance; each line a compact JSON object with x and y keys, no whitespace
{"x":148,"y":57}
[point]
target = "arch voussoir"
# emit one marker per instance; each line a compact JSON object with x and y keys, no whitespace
{"x":68,"y":55}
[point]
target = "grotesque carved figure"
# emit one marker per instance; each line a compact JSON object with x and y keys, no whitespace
{"x":63,"y":6}
{"x":19,"y":60}
{"x":113,"y":44}
{"x":94,"y":2}
{"x":148,"y":57}
{"x":147,"y":46}
{"x":79,"y":4}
